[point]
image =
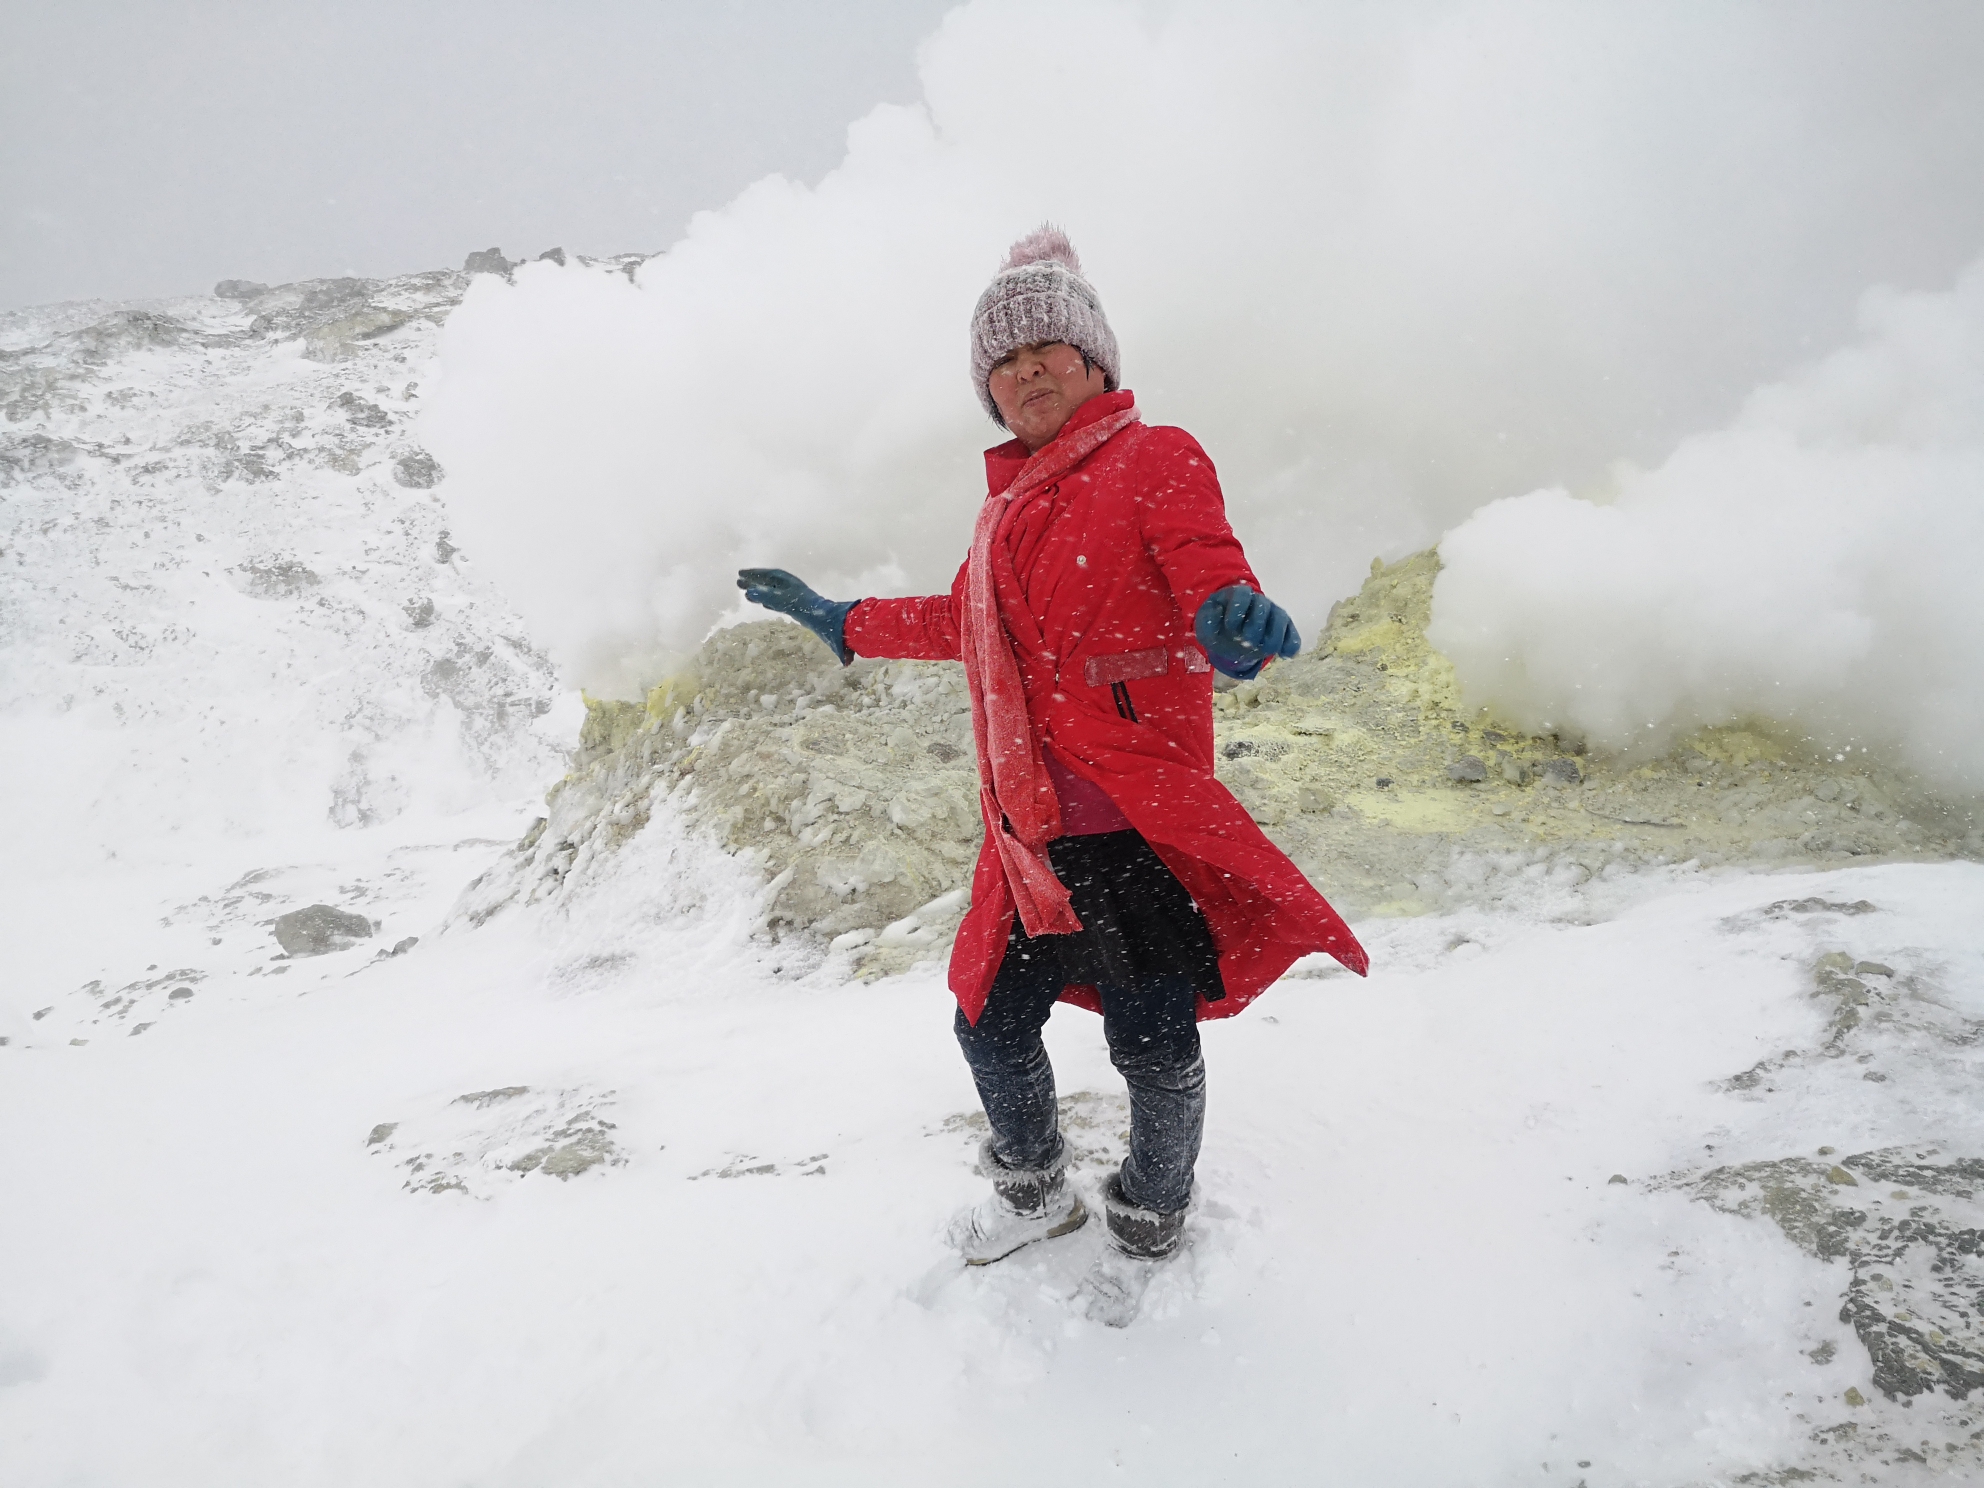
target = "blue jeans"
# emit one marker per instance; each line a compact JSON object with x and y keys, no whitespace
{"x":1153,"y":1034}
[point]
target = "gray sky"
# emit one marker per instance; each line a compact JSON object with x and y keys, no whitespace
{"x":152,"y":149}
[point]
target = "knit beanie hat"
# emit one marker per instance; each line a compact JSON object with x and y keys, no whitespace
{"x":1038,"y":295}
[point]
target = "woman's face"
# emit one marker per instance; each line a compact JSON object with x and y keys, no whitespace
{"x":1038,"y":388}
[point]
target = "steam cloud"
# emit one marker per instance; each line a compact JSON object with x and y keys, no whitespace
{"x":1386,"y":262}
{"x":1815,"y":563}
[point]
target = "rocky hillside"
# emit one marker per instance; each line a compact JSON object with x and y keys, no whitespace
{"x":854,"y":788}
{"x":215,"y":517}
{"x":216,"y":510}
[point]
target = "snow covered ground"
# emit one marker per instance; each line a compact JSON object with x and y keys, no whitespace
{"x":1666,"y":1177}
{"x":315,"y":1230}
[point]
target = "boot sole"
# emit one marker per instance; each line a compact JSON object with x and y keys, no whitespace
{"x":1077,"y":1217}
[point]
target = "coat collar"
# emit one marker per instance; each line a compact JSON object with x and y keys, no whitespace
{"x":1003,"y":461}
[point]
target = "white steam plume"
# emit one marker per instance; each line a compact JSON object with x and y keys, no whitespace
{"x":1816,"y":564}
{"x":1385,"y":261}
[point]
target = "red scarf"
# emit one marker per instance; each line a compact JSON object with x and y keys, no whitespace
{"x":1014,"y":791}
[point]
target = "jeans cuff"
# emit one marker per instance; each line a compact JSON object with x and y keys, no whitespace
{"x":1056,"y":1157}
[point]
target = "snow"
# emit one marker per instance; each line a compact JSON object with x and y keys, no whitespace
{"x":1408,"y":1264}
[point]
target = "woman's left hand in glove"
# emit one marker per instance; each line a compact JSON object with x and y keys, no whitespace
{"x":1242,"y":630}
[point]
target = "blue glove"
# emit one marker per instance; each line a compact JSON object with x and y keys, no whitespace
{"x":1243,"y":630}
{"x":782,"y":592}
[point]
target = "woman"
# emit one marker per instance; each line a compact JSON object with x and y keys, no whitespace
{"x":1102,"y":587}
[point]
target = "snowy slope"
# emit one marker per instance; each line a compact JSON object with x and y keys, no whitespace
{"x":617,"y":1188}
{"x":235,"y":638}
{"x":229,"y":596}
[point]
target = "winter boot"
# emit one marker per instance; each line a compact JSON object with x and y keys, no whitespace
{"x":1139,"y":1239}
{"x":1027,"y":1204}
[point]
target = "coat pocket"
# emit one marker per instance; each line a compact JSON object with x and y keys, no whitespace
{"x":1133,"y":666}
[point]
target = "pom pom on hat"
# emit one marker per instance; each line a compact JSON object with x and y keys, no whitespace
{"x":1039,"y":294}
{"x":1045,"y":244}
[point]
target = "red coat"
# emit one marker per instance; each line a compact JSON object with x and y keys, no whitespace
{"x":1113,"y":562}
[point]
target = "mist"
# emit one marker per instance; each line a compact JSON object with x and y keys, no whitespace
{"x":1812,"y":565}
{"x":1389,"y":264}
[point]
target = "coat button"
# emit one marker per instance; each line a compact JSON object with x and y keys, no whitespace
{"x":1081,"y":560}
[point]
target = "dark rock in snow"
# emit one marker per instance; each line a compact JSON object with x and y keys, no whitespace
{"x":490,"y":1097}
{"x":239,"y":289}
{"x":446,"y":677}
{"x":556,"y":255}
{"x":1467,"y":770}
{"x":418,"y":471}
{"x":364,"y":414}
{"x":123,"y":332}
{"x":35,"y":454}
{"x":275,"y":578}
{"x":488,"y":261}
{"x":1785,"y":907}
{"x":320,"y":928}
{"x":1913,"y":1275}
{"x":334,"y":340}
{"x":588,"y":1150}
{"x":319,"y":296}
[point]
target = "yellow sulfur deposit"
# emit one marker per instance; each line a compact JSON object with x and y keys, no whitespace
{"x":854,"y":788}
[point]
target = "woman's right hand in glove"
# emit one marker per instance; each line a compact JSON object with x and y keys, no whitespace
{"x":788,"y":594}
